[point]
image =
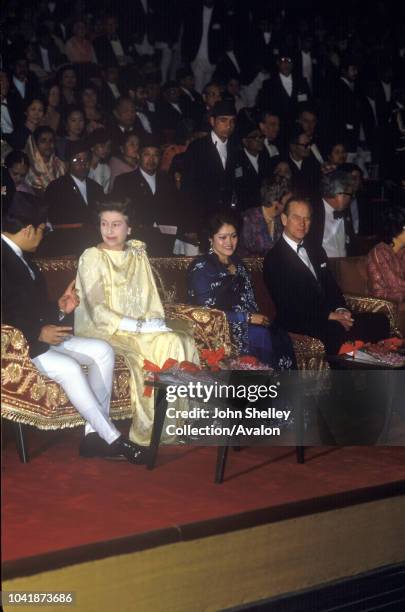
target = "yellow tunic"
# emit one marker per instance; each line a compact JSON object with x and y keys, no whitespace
{"x":114,"y":284}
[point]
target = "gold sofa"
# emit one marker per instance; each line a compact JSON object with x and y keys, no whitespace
{"x":33,"y":399}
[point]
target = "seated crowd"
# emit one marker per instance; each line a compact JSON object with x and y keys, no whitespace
{"x":282,"y":138}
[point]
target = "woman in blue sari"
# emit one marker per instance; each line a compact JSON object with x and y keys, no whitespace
{"x":220,"y":280}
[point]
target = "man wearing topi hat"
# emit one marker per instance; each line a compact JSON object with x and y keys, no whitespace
{"x":209,"y":170}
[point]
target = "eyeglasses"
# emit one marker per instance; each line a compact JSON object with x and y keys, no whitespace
{"x":77,"y":160}
{"x":286,"y":59}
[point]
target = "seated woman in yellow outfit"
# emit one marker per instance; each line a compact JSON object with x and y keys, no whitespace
{"x":119,"y":302}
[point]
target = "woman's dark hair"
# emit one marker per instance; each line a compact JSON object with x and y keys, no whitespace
{"x":47,"y":90}
{"x":16,"y":157}
{"x":393,"y":224}
{"x":125,"y":136}
{"x":28,"y":102}
{"x":220,"y":218}
{"x":112,"y":205}
{"x":42,"y":129}
{"x":68,"y":111}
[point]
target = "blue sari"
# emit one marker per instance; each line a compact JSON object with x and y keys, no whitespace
{"x":211,"y":284}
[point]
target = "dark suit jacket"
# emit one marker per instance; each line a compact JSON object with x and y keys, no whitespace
{"x":16,"y":101}
{"x":205,"y":180}
{"x":104,"y":50}
{"x":305,"y":181}
{"x":303,"y":303}
{"x":346,"y":109}
{"x":193,"y":28}
{"x":248,"y":181}
{"x":148,"y":207}
{"x":168,"y":118}
{"x":25,"y":303}
{"x":67,"y":206}
{"x":273,"y":95}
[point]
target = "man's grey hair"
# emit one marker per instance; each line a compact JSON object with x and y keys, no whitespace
{"x":336,"y":182}
{"x":272,"y":190}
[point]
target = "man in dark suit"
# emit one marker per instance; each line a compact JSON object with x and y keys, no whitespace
{"x":284,"y":91}
{"x":305,"y":169}
{"x":209,"y":164}
{"x":346,"y":105}
{"x":250,"y":167}
{"x":111,"y":48}
{"x":269,"y":124}
{"x":170,"y":111}
{"x":332,"y":227}
{"x":307,"y":298}
{"x":23,"y":86}
{"x":203,"y":38}
{"x":153,"y":198}
{"x":71,"y":201}
{"x":47,"y":327}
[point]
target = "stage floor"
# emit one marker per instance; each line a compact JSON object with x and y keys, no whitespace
{"x":59,"y":500}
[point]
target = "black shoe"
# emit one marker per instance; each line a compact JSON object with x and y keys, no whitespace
{"x":92,"y":446}
{"x":122,"y":448}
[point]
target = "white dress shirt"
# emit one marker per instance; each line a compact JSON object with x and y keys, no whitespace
{"x":233,"y":59}
{"x":254,"y":160}
{"x":271,"y":148}
{"x":20,"y":85}
{"x":301,"y":252}
{"x":221,"y":148}
{"x":334,"y":235}
{"x":114,"y":90}
{"x":374,"y":109}
{"x":287,"y":83}
{"x":18,"y":251}
{"x":82,"y":187}
{"x":176,"y":107}
{"x":150,"y":179}
{"x":203,"y":48}
{"x":7,"y":126}
{"x":102,"y":175}
{"x":354,"y":209}
{"x":145,"y":122}
{"x":45,"y":59}
{"x":307,"y":67}
{"x":297,"y":162}
{"x":387,"y":91}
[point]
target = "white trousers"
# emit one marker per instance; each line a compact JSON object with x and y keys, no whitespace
{"x":203,"y":72}
{"x":90,"y":394}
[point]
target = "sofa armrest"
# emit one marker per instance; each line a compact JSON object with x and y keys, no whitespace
{"x":360,"y":303}
{"x":209,"y":326}
{"x":309,"y":352}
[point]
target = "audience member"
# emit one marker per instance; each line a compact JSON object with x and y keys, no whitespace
{"x":220,"y":280}
{"x":132,"y":320}
{"x":18,"y":165}
{"x":48,"y":329}
{"x":127,"y":158}
{"x":78,"y":48}
{"x":99,"y":145}
{"x":305,"y":293}
{"x":71,"y":202}
{"x":262,"y":224}
{"x":331,"y":223}
{"x":45,"y":166}
{"x":74,"y":126}
{"x":152,"y":197}
{"x":209,"y":169}
{"x":52,"y":114}
{"x":34,"y":112}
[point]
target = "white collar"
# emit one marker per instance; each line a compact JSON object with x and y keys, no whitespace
{"x":290,"y":242}
{"x":329,"y":210}
{"x":286,"y":79}
{"x":150,"y":179}
{"x":254,"y":159}
{"x":297,"y":162}
{"x":217,"y":141}
{"x":17,"y":250}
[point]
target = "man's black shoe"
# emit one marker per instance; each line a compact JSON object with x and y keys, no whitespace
{"x":92,"y":446}
{"x":130,"y":451}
